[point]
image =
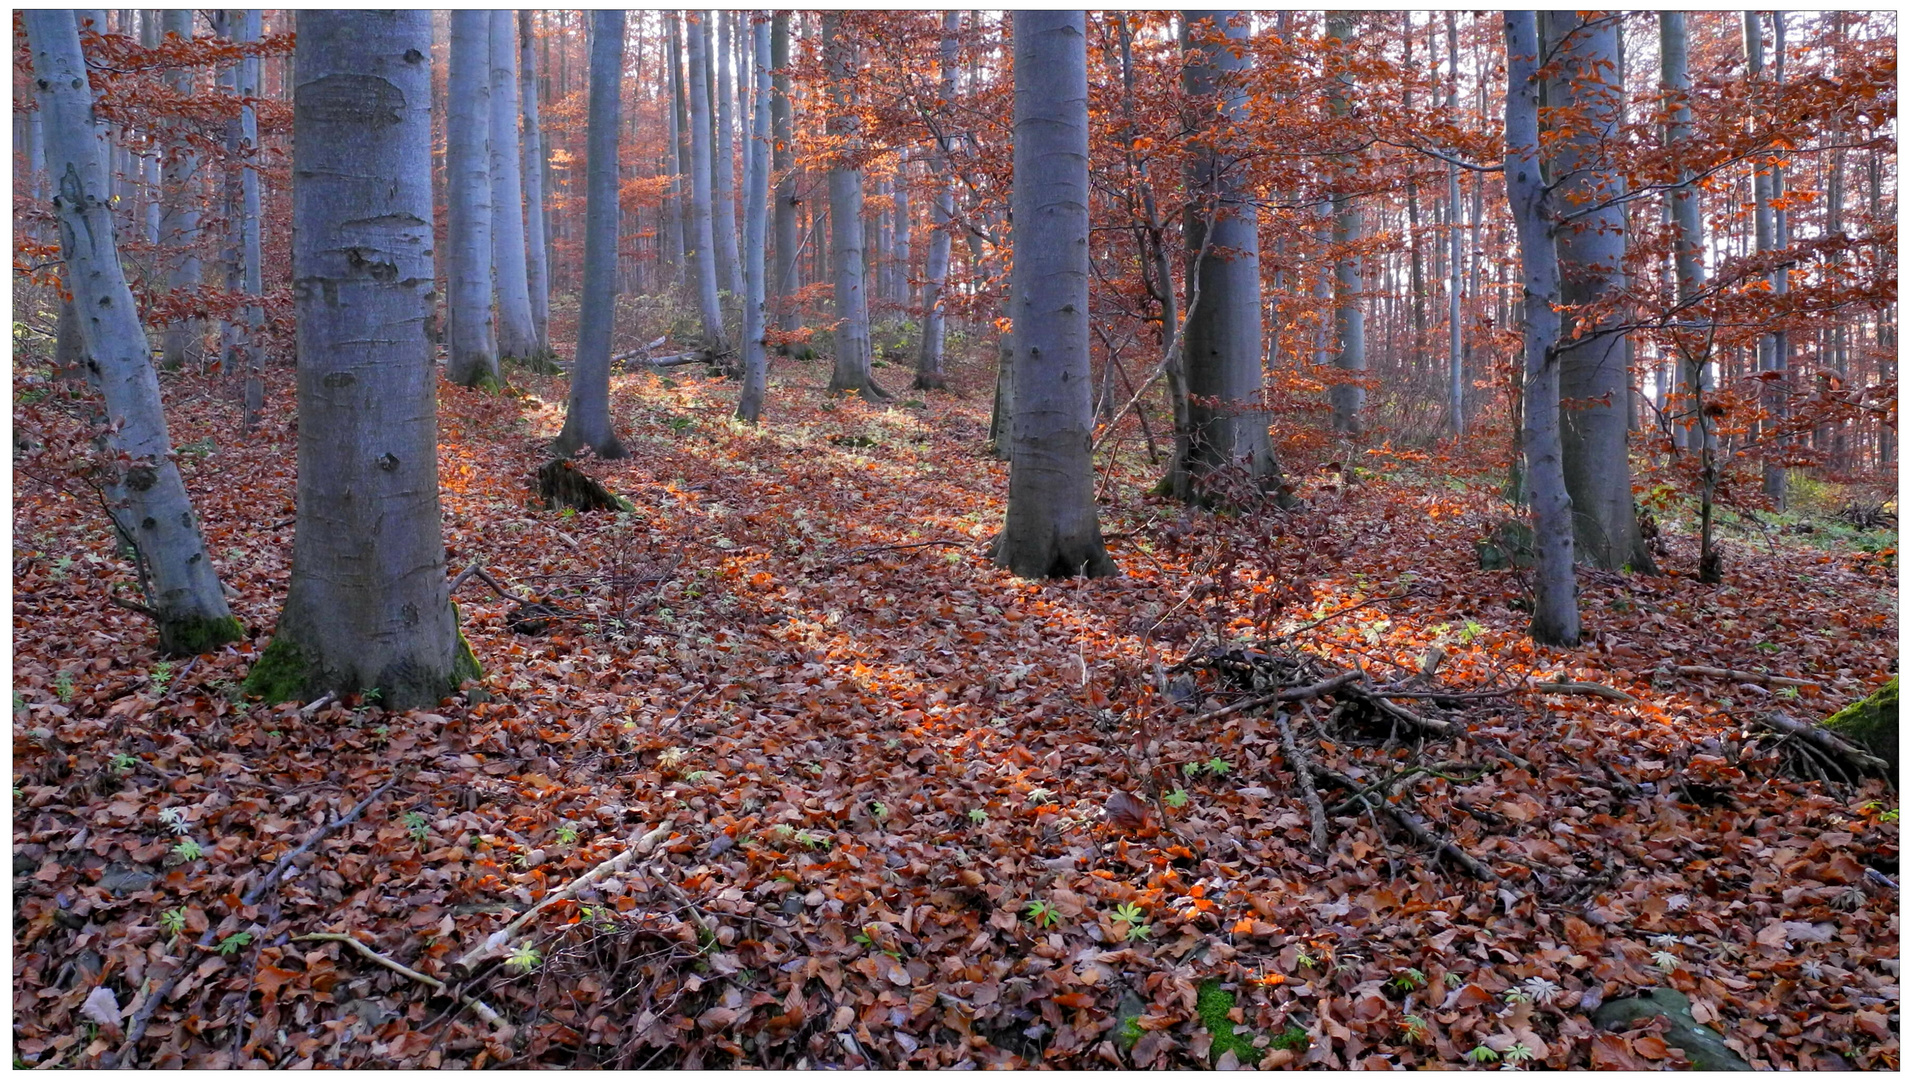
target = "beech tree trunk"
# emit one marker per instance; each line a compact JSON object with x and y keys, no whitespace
{"x":143,"y":490}
{"x":782,"y":124}
{"x":473,"y":353}
{"x":702,"y":212}
{"x":1348,"y":398}
{"x":250,"y":250}
{"x":1052,"y":529}
{"x":1226,"y":426}
{"x":180,"y":183}
{"x":755,"y":215}
{"x":853,"y":358}
{"x":1772,"y":234}
{"x":1455,"y":289}
{"x":1554,"y":619}
{"x":530,"y":175}
{"x":929,"y":373}
{"x":516,"y":331}
{"x":901,"y":251}
{"x":676,"y":234}
{"x":586,"y":420}
{"x":1593,"y":375}
{"x":725,"y":150}
{"x":368,"y":607}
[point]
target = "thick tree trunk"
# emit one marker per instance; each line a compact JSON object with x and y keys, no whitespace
{"x":782,"y":123}
{"x":1226,"y":427}
{"x":1052,"y":529}
{"x":586,"y":420}
{"x":530,"y":174}
{"x":755,"y":215}
{"x":368,"y":607}
{"x":1593,"y":375}
{"x":725,"y":149}
{"x":853,"y":358}
{"x":516,"y":330}
{"x":473,"y":353}
{"x":702,"y":212}
{"x":1348,"y":398}
{"x":142,"y":487}
{"x":180,"y":182}
{"x":1555,"y":609}
{"x":929,"y":368}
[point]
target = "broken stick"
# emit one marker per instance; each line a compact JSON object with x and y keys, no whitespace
{"x":489,"y":1014}
{"x":1743,"y":676}
{"x":501,"y":940}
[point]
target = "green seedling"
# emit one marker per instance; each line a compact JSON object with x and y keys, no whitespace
{"x":524,"y":957}
{"x":173,"y":922}
{"x":1482,"y":1054}
{"x":418,"y":826}
{"x":1178,"y":798}
{"x":188,"y":850}
{"x":978,"y":816}
{"x":1042,"y":914}
{"x":234,"y":943}
{"x":1416,"y":1029}
{"x":1409,"y":979}
{"x":161,"y":677}
{"x":1519,"y":1052}
{"x":63,"y":686}
{"x":174,"y":819}
{"x":1133,"y":921}
{"x":1218,"y":767}
{"x":566,"y":835}
{"x":124,"y":763}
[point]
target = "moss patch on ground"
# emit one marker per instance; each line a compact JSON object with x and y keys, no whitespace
{"x":1215,"y":1004}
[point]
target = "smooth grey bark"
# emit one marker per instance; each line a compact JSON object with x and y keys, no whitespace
{"x":902,"y":249}
{"x":473,"y":353}
{"x":727,"y":258}
{"x":516,"y":331}
{"x":1594,"y":381}
{"x":1052,"y":528}
{"x":1348,"y":398}
{"x":368,"y":606}
{"x":586,"y":420}
{"x":702,"y":212}
{"x":676,"y":232}
{"x":530,"y":175}
{"x":1554,"y":617}
{"x":141,"y":483}
{"x":149,"y":162}
{"x":179,"y":233}
{"x":1686,"y":219}
{"x":1455,"y":288}
{"x":1226,"y":429}
{"x":854,"y":360}
{"x":782,"y":126}
{"x":929,"y":367}
{"x":1772,"y":234}
{"x":755,"y":217}
{"x":251,"y":255}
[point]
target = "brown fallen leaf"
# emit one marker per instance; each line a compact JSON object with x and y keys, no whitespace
{"x":1126,"y":812}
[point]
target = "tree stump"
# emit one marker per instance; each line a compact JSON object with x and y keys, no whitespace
{"x":561,"y":483}
{"x":1871,"y":725}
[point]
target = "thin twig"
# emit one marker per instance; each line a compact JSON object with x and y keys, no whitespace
{"x":499,"y":941}
{"x":1296,"y":693}
{"x":489,"y":1014}
{"x":1314,"y":806}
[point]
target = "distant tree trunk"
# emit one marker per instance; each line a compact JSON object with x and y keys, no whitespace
{"x":473,"y":354}
{"x":586,"y":420}
{"x":180,"y":183}
{"x":701,"y":209}
{"x":1348,"y":398}
{"x":1772,"y":234}
{"x":1220,"y":347}
{"x":782,"y":123}
{"x":250,"y":250}
{"x":1455,"y":289}
{"x":530,"y":173}
{"x":725,"y":149}
{"x":142,"y":487}
{"x":1052,"y":529}
{"x":853,"y":359}
{"x":677,"y":234}
{"x":149,"y":166}
{"x":755,"y":215}
{"x":1593,"y":377}
{"x":1554,"y":618}
{"x":929,"y":373}
{"x":1412,"y":222}
{"x":368,"y":607}
{"x":516,"y":331}
{"x":902,"y":252}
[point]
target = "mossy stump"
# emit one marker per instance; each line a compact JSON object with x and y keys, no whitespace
{"x":1703,"y":1048}
{"x":561,"y":483}
{"x":1871,"y":725}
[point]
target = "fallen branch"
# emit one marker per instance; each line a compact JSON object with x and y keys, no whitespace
{"x":1594,"y":689}
{"x":1296,"y":693}
{"x":864,"y":554}
{"x":1744,"y":676}
{"x":1411,"y":824}
{"x":1825,"y":741}
{"x":501,"y":940}
{"x":1400,"y":712}
{"x":485,"y":1011}
{"x":1303,"y":769}
{"x":306,"y":712}
{"x":477,"y":570}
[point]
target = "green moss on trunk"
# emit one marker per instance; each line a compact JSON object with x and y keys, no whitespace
{"x":197,"y":634}
{"x":1871,"y":724}
{"x":280,"y":674}
{"x":465,"y":665}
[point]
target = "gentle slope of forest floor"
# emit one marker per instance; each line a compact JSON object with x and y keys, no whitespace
{"x":901,"y":808}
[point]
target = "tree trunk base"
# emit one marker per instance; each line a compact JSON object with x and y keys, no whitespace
{"x":561,"y":483}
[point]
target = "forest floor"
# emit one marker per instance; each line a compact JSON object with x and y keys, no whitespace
{"x":900,"y":808}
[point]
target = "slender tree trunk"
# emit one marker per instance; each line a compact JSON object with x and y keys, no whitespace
{"x":181,"y":183}
{"x":473,"y":354}
{"x":368,"y":607}
{"x":725,"y":149}
{"x":902,"y":252}
{"x":1227,"y":422}
{"x":516,"y":330}
{"x":755,"y":215}
{"x":782,"y":122}
{"x":1455,"y":288}
{"x":1772,"y":234}
{"x":252,"y":280}
{"x":676,"y":216}
{"x":1412,"y":225}
{"x":586,"y":421}
{"x":530,"y":173}
{"x":1593,"y":377}
{"x":701,"y":208}
{"x":929,"y":373}
{"x":142,"y":488}
{"x":853,"y":359}
{"x":1348,"y":398}
{"x":1554,"y":619}
{"x":149,"y":166}
{"x":1052,"y":529}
